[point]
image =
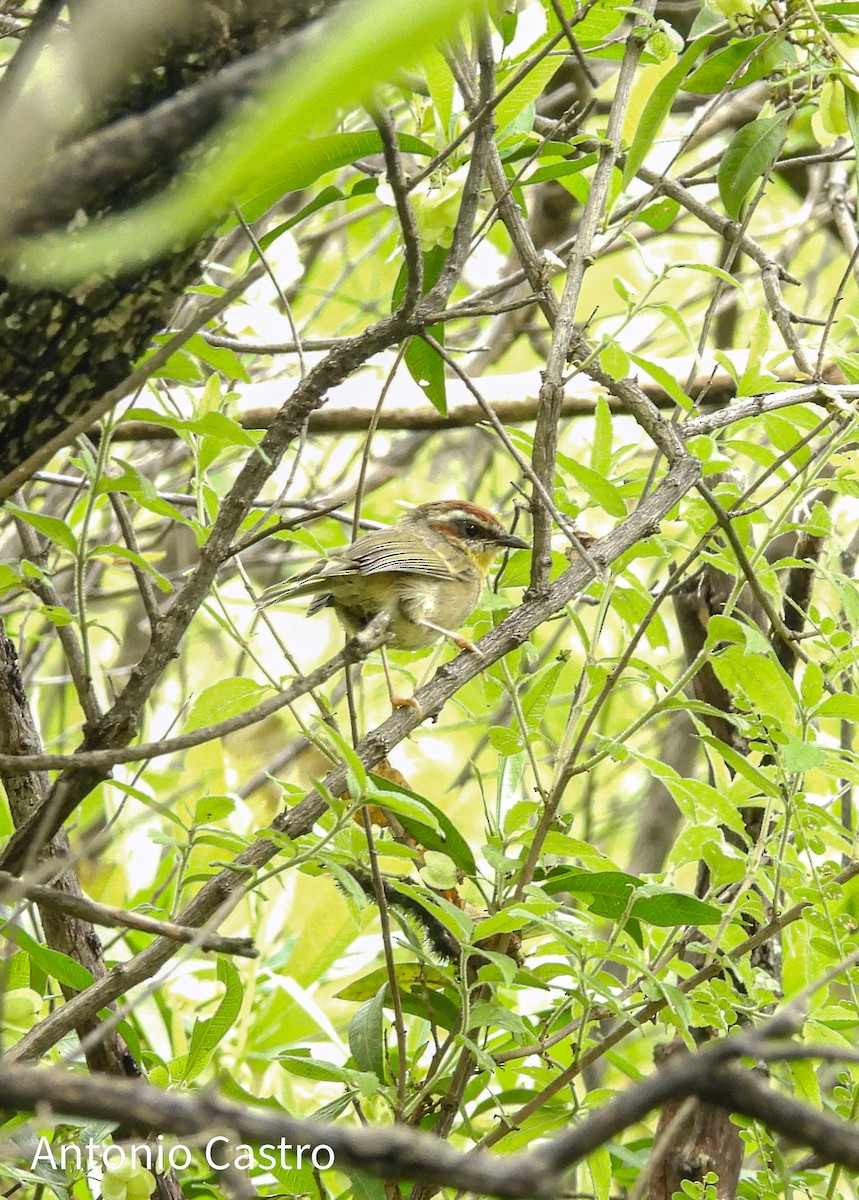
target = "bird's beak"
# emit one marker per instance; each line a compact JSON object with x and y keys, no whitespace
{"x":515,"y":543}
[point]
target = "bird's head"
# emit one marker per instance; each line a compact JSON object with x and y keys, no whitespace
{"x":467,"y":527}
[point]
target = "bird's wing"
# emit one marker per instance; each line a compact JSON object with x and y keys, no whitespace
{"x":391,"y":550}
{"x":382,"y":550}
{"x":300,"y":585}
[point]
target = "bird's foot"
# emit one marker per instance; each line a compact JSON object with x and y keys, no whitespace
{"x":406,"y":702}
{"x":465,"y":644}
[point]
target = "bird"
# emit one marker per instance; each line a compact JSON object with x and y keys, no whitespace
{"x":426,"y":572}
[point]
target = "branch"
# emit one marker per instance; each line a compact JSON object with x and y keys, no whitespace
{"x":401,"y":1153}
{"x":756,"y":406}
{"x":552,"y":391}
{"x":83,"y":174}
{"x":393,"y":1152}
{"x":720,"y":390}
{"x":136,"y":379}
{"x":414,"y":262}
{"x":727,"y":229}
{"x":12,"y":888}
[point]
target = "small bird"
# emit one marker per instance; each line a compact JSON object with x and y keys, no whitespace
{"x":426,"y":572}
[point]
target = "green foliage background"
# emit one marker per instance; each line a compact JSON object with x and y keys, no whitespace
{"x":308,"y":1025}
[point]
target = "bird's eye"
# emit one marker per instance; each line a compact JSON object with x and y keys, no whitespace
{"x":471,"y":530}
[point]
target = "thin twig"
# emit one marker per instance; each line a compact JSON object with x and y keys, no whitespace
{"x":14,"y":888}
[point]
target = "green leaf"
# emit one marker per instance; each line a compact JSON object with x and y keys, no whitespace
{"x":180,"y":367}
{"x":451,"y":917}
{"x":842,"y":705}
{"x":506,"y":23}
{"x":328,"y":928}
{"x":313,"y":1068}
{"x":658,"y":105}
{"x":524,"y":93}
{"x":315,"y":157}
{"x":511,"y":135}
{"x":667,"y":907}
{"x":410,"y":977}
{"x":812,"y":685}
{"x":426,"y":367}
{"x":53,"y":528}
{"x":112,"y":550}
{"x":601,"y":449}
{"x":17,"y":971}
{"x":224,"y":699}
{"x":632,"y":604}
{"x":53,"y":962}
{"x":747,"y":384}
{"x":439,"y":872}
{"x":443,"y":836}
{"x":9,"y":578}
{"x":329,"y":195}
{"x":599,"y":1166}
{"x":742,"y":766}
{"x":223,"y":428}
{"x":327,"y":1112}
{"x":660,"y":215}
{"x":57,"y":615}
{"x":611,"y":885}
{"x":605,"y":494}
{"x":211,"y":424}
{"x":610,"y":892}
{"x":364,"y":1186}
{"x":507,"y":921}
{"x":759,"y":683}
{"x":300,"y":1181}
{"x":210,"y":809}
{"x":726,"y":277}
{"x":221,"y":358}
{"x":207,"y":1033}
{"x":600,"y":21}
{"x":540,"y":691}
{"x":851,"y":105}
{"x":750,"y":154}
{"x":700,"y":803}
{"x":559,"y":170}
{"x":424,"y":363}
{"x":510,"y":771}
{"x":412,"y":808}
{"x":441,"y":89}
{"x":132,"y":483}
{"x":506,"y":741}
{"x":433,"y":261}
{"x":806,"y":1086}
{"x":614,"y":360}
{"x":677,"y":1001}
{"x":496,"y":1016}
{"x":798,"y":756}
{"x":357,"y":772}
{"x":716,"y":70}
{"x":366,"y":1035}
{"x":420,"y":992}
{"x":665,"y":379}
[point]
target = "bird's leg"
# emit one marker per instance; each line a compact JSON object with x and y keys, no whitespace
{"x":396,"y":701}
{"x":461,"y":642}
